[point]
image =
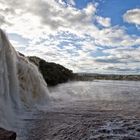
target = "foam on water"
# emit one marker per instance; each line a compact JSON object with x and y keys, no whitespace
{"x":21,"y":84}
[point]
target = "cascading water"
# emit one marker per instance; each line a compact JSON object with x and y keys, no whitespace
{"x":21,"y":84}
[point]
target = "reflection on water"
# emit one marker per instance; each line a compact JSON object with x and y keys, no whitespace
{"x":107,"y":110}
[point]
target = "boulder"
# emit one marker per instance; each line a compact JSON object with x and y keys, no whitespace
{"x":7,"y":135}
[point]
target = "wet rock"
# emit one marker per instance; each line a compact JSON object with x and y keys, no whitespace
{"x":131,"y":128}
{"x":104,"y":131}
{"x":7,"y":135}
{"x":138,"y":129}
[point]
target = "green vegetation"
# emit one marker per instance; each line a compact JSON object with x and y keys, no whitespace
{"x":53,"y":73}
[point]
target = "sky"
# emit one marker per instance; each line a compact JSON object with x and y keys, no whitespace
{"x":94,"y":36}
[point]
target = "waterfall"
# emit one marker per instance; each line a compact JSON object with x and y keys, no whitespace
{"x":21,"y":84}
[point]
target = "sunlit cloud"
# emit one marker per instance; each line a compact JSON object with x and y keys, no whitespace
{"x":132,"y":16}
{"x":79,"y":39}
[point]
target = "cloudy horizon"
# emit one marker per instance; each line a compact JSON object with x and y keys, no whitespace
{"x":94,"y":36}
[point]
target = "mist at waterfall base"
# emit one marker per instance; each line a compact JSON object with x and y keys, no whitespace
{"x":96,"y":90}
{"x":23,"y":91}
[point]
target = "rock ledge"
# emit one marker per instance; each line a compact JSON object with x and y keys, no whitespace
{"x":7,"y":135}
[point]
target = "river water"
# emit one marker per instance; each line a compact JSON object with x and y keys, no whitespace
{"x":98,"y":110}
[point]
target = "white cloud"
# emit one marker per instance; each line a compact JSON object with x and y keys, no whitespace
{"x":63,"y":34}
{"x":132,"y":16}
{"x":106,"y":22}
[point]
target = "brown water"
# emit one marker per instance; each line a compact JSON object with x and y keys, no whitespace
{"x":99,"y":110}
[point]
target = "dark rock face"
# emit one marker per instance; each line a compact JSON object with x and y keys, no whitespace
{"x":53,"y":73}
{"x":7,"y":135}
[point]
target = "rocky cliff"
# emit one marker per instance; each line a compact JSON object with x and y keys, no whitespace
{"x":53,"y":73}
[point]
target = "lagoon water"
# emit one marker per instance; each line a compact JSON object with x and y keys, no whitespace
{"x":87,"y":111}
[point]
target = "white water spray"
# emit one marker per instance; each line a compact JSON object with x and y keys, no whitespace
{"x":21,"y":84}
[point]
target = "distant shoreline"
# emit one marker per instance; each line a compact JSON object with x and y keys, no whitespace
{"x":91,"y":77}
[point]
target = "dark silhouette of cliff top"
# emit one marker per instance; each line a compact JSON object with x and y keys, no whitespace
{"x":53,"y":73}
